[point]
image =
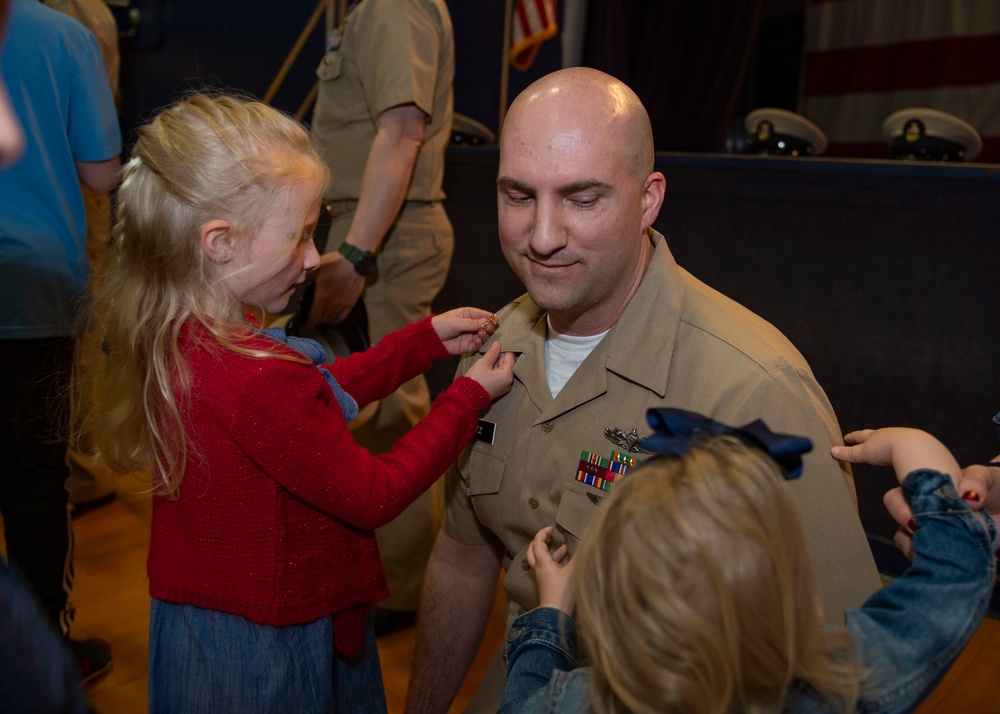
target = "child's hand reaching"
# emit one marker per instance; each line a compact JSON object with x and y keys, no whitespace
{"x":464,"y":329}
{"x":905,"y":450}
{"x":494,"y":371}
{"x":552,"y":571}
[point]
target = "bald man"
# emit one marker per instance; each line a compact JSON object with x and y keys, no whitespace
{"x":610,"y":327}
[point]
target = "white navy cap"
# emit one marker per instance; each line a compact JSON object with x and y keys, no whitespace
{"x":779,"y":131}
{"x":922,"y":133}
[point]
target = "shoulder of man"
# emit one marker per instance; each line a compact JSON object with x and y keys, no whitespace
{"x":517,"y":321}
{"x":720,"y":317}
{"x":519,"y":314}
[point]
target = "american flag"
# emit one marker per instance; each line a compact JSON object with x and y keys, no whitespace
{"x":533,"y":22}
{"x":865,"y":59}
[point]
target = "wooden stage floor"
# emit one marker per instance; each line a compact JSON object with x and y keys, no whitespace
{"x":112,"y":602}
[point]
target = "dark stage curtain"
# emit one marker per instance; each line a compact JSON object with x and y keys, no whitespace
{"x":685,"y":59}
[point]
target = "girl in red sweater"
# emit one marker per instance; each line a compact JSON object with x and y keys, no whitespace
{"x":262,"y":561}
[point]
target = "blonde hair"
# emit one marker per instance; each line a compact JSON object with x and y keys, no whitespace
{"x":203,"y":158}
{"x":694,"y":591}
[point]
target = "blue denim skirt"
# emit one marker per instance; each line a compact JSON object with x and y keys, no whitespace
{"x":213,"y":662}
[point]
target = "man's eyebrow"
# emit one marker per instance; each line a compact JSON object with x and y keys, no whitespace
{"x":578,"y":186}
{"x":508,"y":184}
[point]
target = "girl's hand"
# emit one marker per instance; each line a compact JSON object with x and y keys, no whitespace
{"x":905,"y":450}
{"x":494,"y":371}
{"x":464,"y":329}
{"x":552,"y":571}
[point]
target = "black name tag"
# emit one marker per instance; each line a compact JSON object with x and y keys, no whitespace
{"x":485,"y":431}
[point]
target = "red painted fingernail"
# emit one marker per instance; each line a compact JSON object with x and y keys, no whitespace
{"x":970,"y":496}
{"x":912,"y":525}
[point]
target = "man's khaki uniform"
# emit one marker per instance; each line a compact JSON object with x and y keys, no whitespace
{"x":678,"y":344}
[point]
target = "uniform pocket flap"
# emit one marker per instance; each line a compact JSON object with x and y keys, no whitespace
{"x":575,"y":511}
{"x":329,"y":66}
{"x":484,"y":473}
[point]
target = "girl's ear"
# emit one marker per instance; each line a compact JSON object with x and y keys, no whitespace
{"x":217,"y":240}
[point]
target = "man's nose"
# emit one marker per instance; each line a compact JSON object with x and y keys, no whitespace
{"x":547,"y":235}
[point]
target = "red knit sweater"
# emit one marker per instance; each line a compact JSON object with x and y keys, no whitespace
{"x":278,"y":504}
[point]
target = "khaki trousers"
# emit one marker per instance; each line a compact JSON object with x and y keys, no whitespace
{"x":412,"y":266}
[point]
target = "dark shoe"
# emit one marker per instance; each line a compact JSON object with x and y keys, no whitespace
{"x":93,"y":658}
{"x":388,"y":621}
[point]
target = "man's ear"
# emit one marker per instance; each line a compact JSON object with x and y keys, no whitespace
{"x":652,"y":198}
{"x":217,"y":240}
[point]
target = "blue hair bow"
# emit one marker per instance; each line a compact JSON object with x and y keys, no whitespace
{"x":675,"y":429}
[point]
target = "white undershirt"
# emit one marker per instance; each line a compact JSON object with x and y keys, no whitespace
{"x":563,"y":354}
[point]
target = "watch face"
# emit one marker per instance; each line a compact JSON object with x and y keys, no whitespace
{"x":363,"y":261}
{"x":365,"y":266}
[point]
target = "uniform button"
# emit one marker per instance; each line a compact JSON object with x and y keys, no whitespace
{"x":524,"y":565}
{"x":533,"y":502}
{"x":547,"y":427}
{"x":328,"y":60}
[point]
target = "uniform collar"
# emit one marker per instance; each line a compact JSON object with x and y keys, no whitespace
{"x":633,"y":347}
{"x":640,"y":345}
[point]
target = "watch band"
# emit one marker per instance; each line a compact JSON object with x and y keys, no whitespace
{"x":362,"y":260}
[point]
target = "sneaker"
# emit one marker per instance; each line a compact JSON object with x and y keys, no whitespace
{"x":93,"y":658}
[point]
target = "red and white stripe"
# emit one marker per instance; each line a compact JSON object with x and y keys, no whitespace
{"x":865,"y":59}
{"x":533,"y":22}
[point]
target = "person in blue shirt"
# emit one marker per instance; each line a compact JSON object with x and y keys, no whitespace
{"x":37,"y":671}
{"x":693,"y":588}
{"x":58,"y":109}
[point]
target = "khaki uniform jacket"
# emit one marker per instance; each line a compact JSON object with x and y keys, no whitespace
{"x":678,"y":344}
{"x":392,"y":52}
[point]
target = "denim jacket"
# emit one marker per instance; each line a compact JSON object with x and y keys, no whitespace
{"x":907,"y":634}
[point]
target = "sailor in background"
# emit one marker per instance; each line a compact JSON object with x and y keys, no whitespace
{"x":383,"y":120}
{"x":779,"y":132}
{"x":921,"y":134}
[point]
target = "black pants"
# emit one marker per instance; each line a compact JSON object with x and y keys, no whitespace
{"x":34,"y":383}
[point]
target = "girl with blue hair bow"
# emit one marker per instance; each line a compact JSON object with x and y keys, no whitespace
{"x":692,"y":588}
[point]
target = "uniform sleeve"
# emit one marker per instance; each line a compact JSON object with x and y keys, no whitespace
{"x":399,"y":62}
{"x":793,"y":402}
{"x":92,"y":121}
